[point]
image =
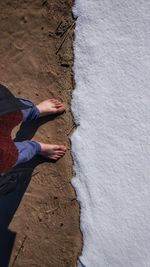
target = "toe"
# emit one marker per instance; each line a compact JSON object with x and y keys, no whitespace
{"x":60,"y":153}
{"x":56,"y":147}
{"x":60,"y":109}
{"x":55,"y":101}
{"x":52,"y":100}
{"x":52,"y":158}
{"x":63,"y":147}
{"x":56,"y":157}
{"x":59,"y":105}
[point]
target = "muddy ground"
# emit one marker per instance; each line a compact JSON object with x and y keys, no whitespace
{"x":36,"y":57}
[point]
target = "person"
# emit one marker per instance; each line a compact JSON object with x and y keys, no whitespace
{"x":14,"y":110}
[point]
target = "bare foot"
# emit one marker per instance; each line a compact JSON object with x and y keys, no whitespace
{"x":50,"y":106}
{"x":52,"y":151}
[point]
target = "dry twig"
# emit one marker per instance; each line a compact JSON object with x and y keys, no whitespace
{"x":72,"y":128}
{"x":63,"y":40}
{"x":20,"y":248}
{"x":49,"y":211}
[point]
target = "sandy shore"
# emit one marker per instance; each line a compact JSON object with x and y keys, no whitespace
{"x":36,"y":58}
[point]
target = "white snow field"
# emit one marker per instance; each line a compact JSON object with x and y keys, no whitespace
{"x":111,"y":145}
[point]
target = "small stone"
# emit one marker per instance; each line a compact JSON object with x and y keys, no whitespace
{"x":40,"y":217}
{"x":25,"y":19}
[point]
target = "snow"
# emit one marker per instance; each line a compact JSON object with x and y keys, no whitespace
{"x":111,"y":145}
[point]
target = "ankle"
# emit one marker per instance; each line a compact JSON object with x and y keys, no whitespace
{"x":39,"y":146}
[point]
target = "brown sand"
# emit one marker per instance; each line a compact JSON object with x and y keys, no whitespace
{"x":47,"y":221}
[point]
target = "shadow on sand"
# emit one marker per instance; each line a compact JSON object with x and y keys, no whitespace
{"x":10,"y":202}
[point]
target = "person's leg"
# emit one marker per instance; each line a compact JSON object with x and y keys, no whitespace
{"x":27,"y":150}
{"x":31,"y":113}
{"x":46,"y":107}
